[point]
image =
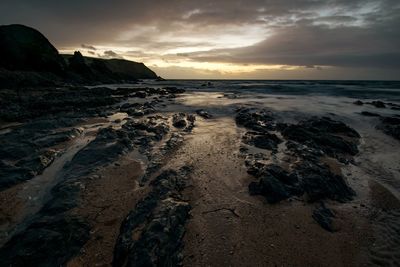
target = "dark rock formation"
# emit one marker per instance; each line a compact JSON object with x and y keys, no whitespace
{"x":318,"y":182}
{"x":152,"y":233}
{"x":78,"y":65}
{"x":324,"y":217}
{"x":28,"y":58}
{"x":86,"y":69}
{"x":390,"y":126}
{"x":179,"y":120}
{"x":307,"y":142}
{"x":377,"y":104}
{"x":204,"y":114}
{"x":274,"y":183}
{"x":264,"y":140}
{"x":26,"y":49}
{"x":138,"y":110}
{"x":333,"y":137}
{"x":53,"y":236}
{"x":380,"y":104}
{"x":49,"y":241}
{"x":314,"y":180}
{"x":127,"y":70}
{"x":182,"y":120}
{"x":174,"y":90}
{"x":29,"y":104}
{"x":358,"y":103}
{"x":273,"y":190}
{"x":82,"y":101}
{"x":393,"y":106}
{"x":27,"y":150}
{"x":256,"y":120}
{"x":146,"y":130}
{"x":261,"y":123}
{"x":369,"y":114}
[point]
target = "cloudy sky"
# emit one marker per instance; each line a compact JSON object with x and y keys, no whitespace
{"x":252,"y":39}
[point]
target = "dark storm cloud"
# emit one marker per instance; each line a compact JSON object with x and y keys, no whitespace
{"x":89,"y":47}
{"x":358,"y":33}
{"x":304,"y":45}
{"x":111,"y":54}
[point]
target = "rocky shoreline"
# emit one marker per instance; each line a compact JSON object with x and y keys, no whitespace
{"x":157,"y":175}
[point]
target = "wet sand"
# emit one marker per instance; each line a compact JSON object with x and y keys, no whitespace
{"x":106,"y":199}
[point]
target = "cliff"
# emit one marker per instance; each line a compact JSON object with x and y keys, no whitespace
{"x":27,"y":58}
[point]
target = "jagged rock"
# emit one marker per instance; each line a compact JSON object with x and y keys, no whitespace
{"x":358,"y":103}
{"x":182,"y":120}
{"x":256,"y":120}
{"x":204,"y":114}
{"x":175,"y":140}
{"x":275,"y":184}
{"x":390,"y":126}
{"x":304,"y":151}
{"x":393,"y":106}
{"x":377,"y":104}
{"x":369,"y":114}
{"x":137,"y":109}
{"x":158,"y":223}
{"x":174,"y":90}
{"x":324,"y":217}
{"x":28,"y":150}
{"x":315,"y":180}
{"x":53,"y":236}
{"x":307,"y":141}
{"x":49,"y":241}
{"x":170,"y":145}
{"x":161,"y":241}
{"x":135,"y":112}
{"x":179,"y":121}
{"x":125,"y":107}
{"x":318,"y":182}
{"x":270,"y":187}
{"x":265,"y":140}
{"x":325,"y":134}
{"x":81,"y":101}
{"x":139,"y":94}
{"x":282,"y":175}
{"x":77,"y":64}
{"x":155,"y":128}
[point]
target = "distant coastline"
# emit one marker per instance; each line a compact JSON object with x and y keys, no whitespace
{"x":27,"y":58}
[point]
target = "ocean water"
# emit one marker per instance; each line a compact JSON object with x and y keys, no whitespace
{"x":384,"y":90}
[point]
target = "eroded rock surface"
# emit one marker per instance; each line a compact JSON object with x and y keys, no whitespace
{"x":313,"y":150}
{"x":390,"y":126}
{"x":324,"y":217}
{"x":26,"y":151}
{"x":183,"y":121}
{"x":55,"y":234}
{"x":334,"y":138}
{"x":151,"y":234}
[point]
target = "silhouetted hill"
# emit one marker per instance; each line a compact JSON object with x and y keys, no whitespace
{"x":28,"y":58}
{"x":106,"y":70}
{"x":24,"y":48}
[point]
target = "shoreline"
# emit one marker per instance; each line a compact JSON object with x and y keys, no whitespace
{"x":134,"y":136}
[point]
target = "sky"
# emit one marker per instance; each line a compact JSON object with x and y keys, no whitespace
{"x":226,"y":39}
